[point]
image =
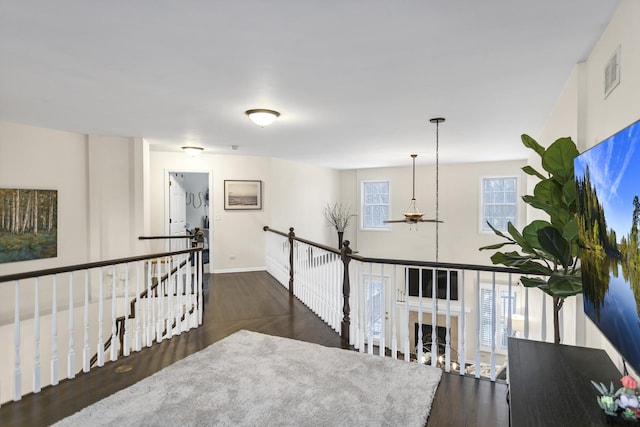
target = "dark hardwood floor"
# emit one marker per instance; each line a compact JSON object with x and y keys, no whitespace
{"x":255,"y":302}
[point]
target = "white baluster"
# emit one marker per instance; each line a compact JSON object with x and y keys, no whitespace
{"x":54,"y":331}
{"x":407,"y":346}
{"x":526,"y":313}
{"x":71,"y":355}
{"x":86,"y":351}
{"x":420,"y":341}
{"x":494,"y":322}
{"x":447,"y":337}
{"x":362,"y":306}
{"x":17,"y":374}
{"x":434,"y":316}
{"x":189,"y":294}
{"x":126,"y":344}
{"x":370,"y":311}
{"x":159,"y":302}
{"x":543,"y":323}
{"x":394,"y":332}
{"x":138,"y":335}
{"x":383,"y":314}
{"x":36,"y":339}
{"x":461,"y":328}
{"x":149,"y":334}
{"x":478,"y":314}
{"x":200,"y":297}
{"x":114,"y":322}
{"x":101,"y":319}
{"x":179,"y":300}
{"x":169,"y":287}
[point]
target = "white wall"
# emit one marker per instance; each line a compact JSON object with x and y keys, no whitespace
{"x":299,"y":196}
{"x":99,"y":184}
{"x":293,"y":195}
{"x":40,"y":158}
{"x":583,"y":113}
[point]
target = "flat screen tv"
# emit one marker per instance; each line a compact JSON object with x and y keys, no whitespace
{"x":608,"y":191}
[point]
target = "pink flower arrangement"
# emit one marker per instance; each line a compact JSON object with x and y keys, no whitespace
{"x":625,"y":402}
{"x":628,"y":382}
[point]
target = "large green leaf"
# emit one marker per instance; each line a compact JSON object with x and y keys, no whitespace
{"x":529,"y":170}
{"x":558,"y":159}
{"x":553,"y":243}
{"x":549,"y":192}
{"x":529,"y":142}
{"x":534,"y":282}
{"x":558,"y":215}
{"x":496,"y":246}
{"x":519,"y":239}
{"x":569,"y":195}
{"x":564,"y":285}
{"x":530,"y":233}
{"x":524,"y":263}
{"x":570,"y":230}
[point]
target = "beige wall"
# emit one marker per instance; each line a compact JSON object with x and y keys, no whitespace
{"x":583,"y":113}
{"x":294,"y":195}
{"x":459,"y":194}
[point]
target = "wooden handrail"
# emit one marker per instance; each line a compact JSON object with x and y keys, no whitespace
{"x":415,"y":263}
{"x":185,"y":236}
{"x":87,"y":266}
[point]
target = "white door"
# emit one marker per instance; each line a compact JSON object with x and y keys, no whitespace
{"x":177,"y":208}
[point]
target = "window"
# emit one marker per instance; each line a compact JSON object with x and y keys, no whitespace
{"x":499,"y":197}
{"x":427,"y":283}
{"x":375,"y":205}
{"x":503,"y":305}
{"x":374,"y":309}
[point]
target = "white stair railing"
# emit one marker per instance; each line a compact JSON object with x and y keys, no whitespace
{"x":453,"y":316}
{"x":50,"y":318}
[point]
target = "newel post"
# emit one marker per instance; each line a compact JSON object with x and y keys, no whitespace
{"x":345,"y":251}
{"x":291,"y":236}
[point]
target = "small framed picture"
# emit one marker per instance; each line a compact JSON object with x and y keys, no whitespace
{"x":242,"y":195}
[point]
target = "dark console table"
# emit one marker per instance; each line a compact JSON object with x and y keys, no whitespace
{"x":550,"y":384}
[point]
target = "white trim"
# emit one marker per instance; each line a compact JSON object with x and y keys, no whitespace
{"x":516,"y":222}
{"x":414,"y":305}
{"x":361,"y":221}
{"x":240,"y":270}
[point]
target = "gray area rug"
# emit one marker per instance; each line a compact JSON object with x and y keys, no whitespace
{"x":251,"y":379}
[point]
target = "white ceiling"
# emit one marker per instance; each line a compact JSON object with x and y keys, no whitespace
{"x":355,"y":81}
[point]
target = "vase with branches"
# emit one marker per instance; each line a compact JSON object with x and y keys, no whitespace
{"x":338,"y":216}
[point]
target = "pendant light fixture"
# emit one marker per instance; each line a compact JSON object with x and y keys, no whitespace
{"x":413,"y":214}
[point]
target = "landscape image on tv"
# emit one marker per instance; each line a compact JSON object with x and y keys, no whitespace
{"x":608,"y":190}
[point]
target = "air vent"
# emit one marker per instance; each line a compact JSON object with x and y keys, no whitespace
{"x":612,"y":73}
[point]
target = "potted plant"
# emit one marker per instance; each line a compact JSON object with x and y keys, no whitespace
{"x":548,"y":250}
{"x":338,"y":216}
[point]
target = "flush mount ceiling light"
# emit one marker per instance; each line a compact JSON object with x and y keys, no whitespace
{"x":262,"y":117}
{"x":192,"y":151}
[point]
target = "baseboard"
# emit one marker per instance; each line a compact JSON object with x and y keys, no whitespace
{"x":240,"y":270}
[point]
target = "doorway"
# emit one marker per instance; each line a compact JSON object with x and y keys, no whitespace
{"x":189,"y":207}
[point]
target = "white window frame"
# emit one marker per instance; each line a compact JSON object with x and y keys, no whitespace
{"x":383,"y":227}
{"x":376,"y":281}
{"x":502,"y":306}
{"x":483,"y":222}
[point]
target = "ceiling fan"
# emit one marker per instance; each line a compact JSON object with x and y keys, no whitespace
{"x":413,"y":214}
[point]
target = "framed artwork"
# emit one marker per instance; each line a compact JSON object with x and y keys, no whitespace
{"x":28,"y":224}
{"x":242,"y":195}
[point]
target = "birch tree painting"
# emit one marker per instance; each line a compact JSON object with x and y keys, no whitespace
{"x":28,"y":224}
